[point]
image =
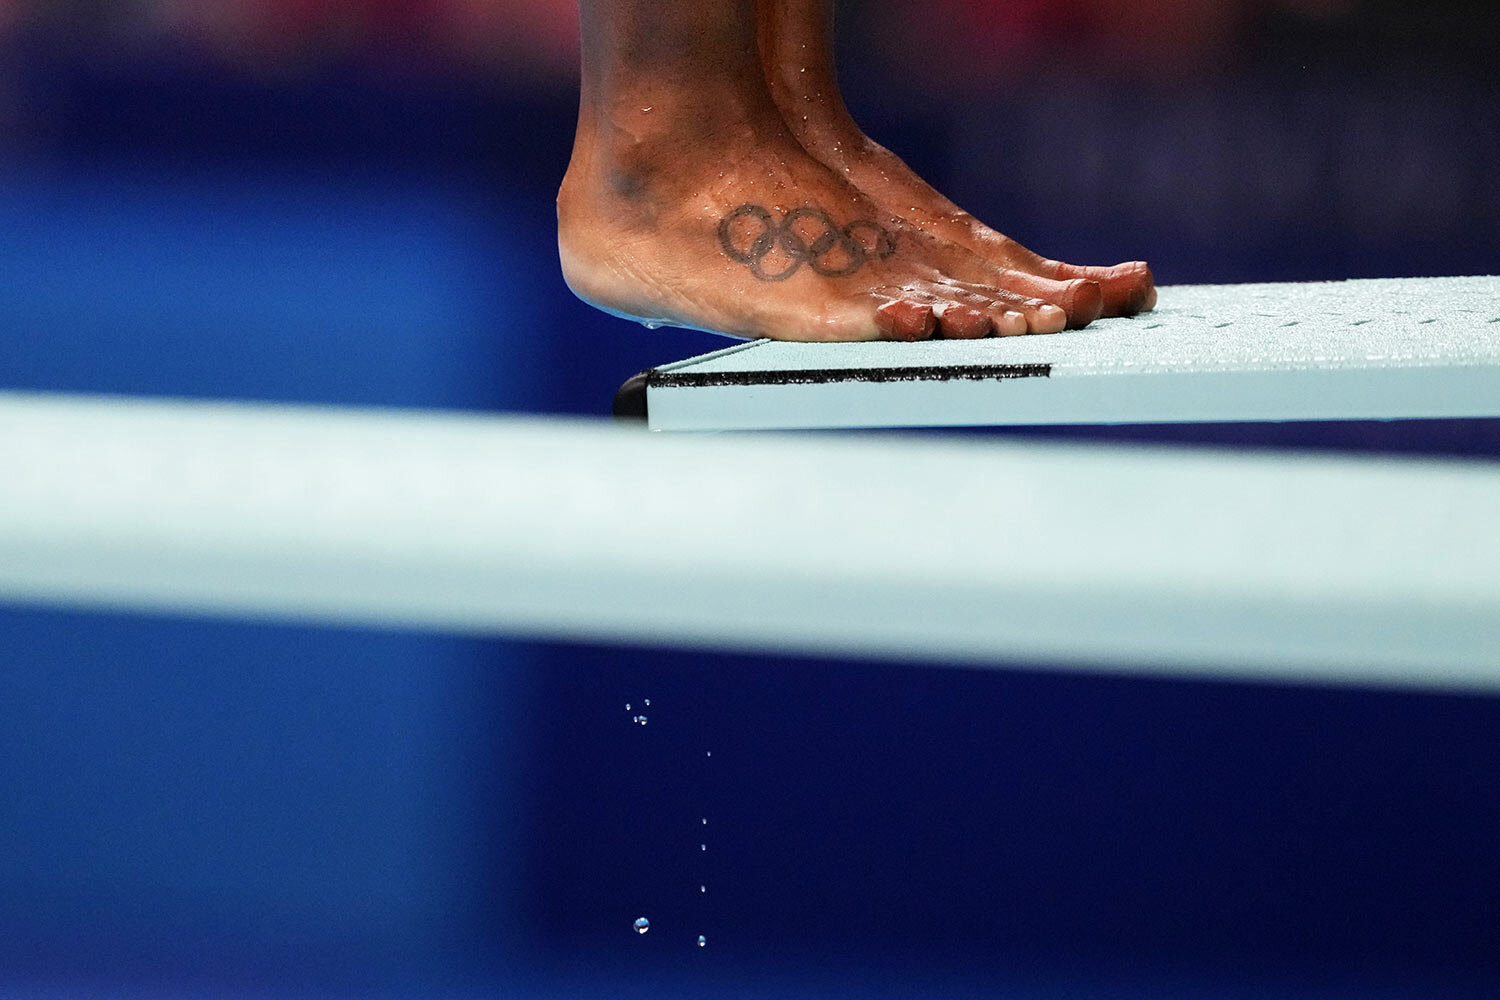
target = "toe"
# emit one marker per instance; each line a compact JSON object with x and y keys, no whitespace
{"x":1040,"y":315}
{"x":1080,"y":296}
{"x":1007,"y":322}
{"x":962,"y":322}
{"x":905,"y":319}
{"x":1126,"y":288}
{"x":1047,"y":318}
{"x":1136,"y":287}
{"x":1084,"y":303}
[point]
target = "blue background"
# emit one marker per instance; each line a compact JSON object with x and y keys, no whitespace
{"x":211,"y":808}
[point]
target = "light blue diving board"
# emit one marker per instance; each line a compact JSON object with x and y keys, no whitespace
{"x":1374,"y":349}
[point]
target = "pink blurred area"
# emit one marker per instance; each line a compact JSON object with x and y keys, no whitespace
{"x":988,"y":40}
{"x":1165,"y":39}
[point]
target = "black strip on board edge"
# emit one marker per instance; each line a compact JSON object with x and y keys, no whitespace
{"x":824,"y":376}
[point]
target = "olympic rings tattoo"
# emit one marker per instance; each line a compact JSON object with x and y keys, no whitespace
{"x":783,"y":236}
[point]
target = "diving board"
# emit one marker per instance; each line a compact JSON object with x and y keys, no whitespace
{"x":1133,"y":560}
{"x":1371,"y":349}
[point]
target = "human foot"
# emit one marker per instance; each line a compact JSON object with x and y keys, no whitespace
{"x":1126,"y":289}
{"x":797,"y":59}
{"x":752,"y":237}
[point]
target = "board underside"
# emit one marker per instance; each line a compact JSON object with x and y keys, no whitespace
{"x":1374,"y":349}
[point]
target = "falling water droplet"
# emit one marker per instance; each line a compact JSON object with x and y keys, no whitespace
{"x":705,"y":821}
{"x":703,"y":888}
{"x":702,"y":847}
{"x":648,"y":702}
{"x":702,"y":941}
{"x":642,"y":925}
{"x":708,"y":753}
{"x":641,"y":719}
{"x":627,"y":706}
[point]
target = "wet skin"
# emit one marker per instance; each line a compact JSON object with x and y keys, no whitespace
{"x":688,"y":201}
{"x":796,"y":44}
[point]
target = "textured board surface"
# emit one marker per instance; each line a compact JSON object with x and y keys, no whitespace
{"x":1367,"y":349}
{"x":1194,"y":564}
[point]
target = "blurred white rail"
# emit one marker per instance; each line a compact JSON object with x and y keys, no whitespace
{"x":1151,"y":561}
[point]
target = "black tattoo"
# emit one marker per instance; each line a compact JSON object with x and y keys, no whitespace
{"x":627,"y":184}
{"x":835,"y":253}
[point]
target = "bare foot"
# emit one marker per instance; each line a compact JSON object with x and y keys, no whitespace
{"x":796,"y":53}
{"x":689,"y":202}
{"x":742,"y":232}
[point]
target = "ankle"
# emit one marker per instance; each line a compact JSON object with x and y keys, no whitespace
{"x":658,"y":154}
{"x":812,"y":105}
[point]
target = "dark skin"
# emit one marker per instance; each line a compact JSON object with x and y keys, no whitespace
{"x":689,"y":201}
{"x":797,"y":57}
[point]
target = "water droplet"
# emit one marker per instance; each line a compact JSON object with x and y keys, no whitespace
{"x":708,"y":753}
{"x":703,"y":888}
{"x":702,"y":941}
{"x":640,"y":719}
{"x":705,"y":821}
{"x":642,"y":925}
{"x":702,"y":847}
{"x":627,"y":706}
{"x":648,"y":702}
{"x":646,"y":110}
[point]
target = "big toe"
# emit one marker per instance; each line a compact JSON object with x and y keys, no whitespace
{"x":1126,"y":289}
